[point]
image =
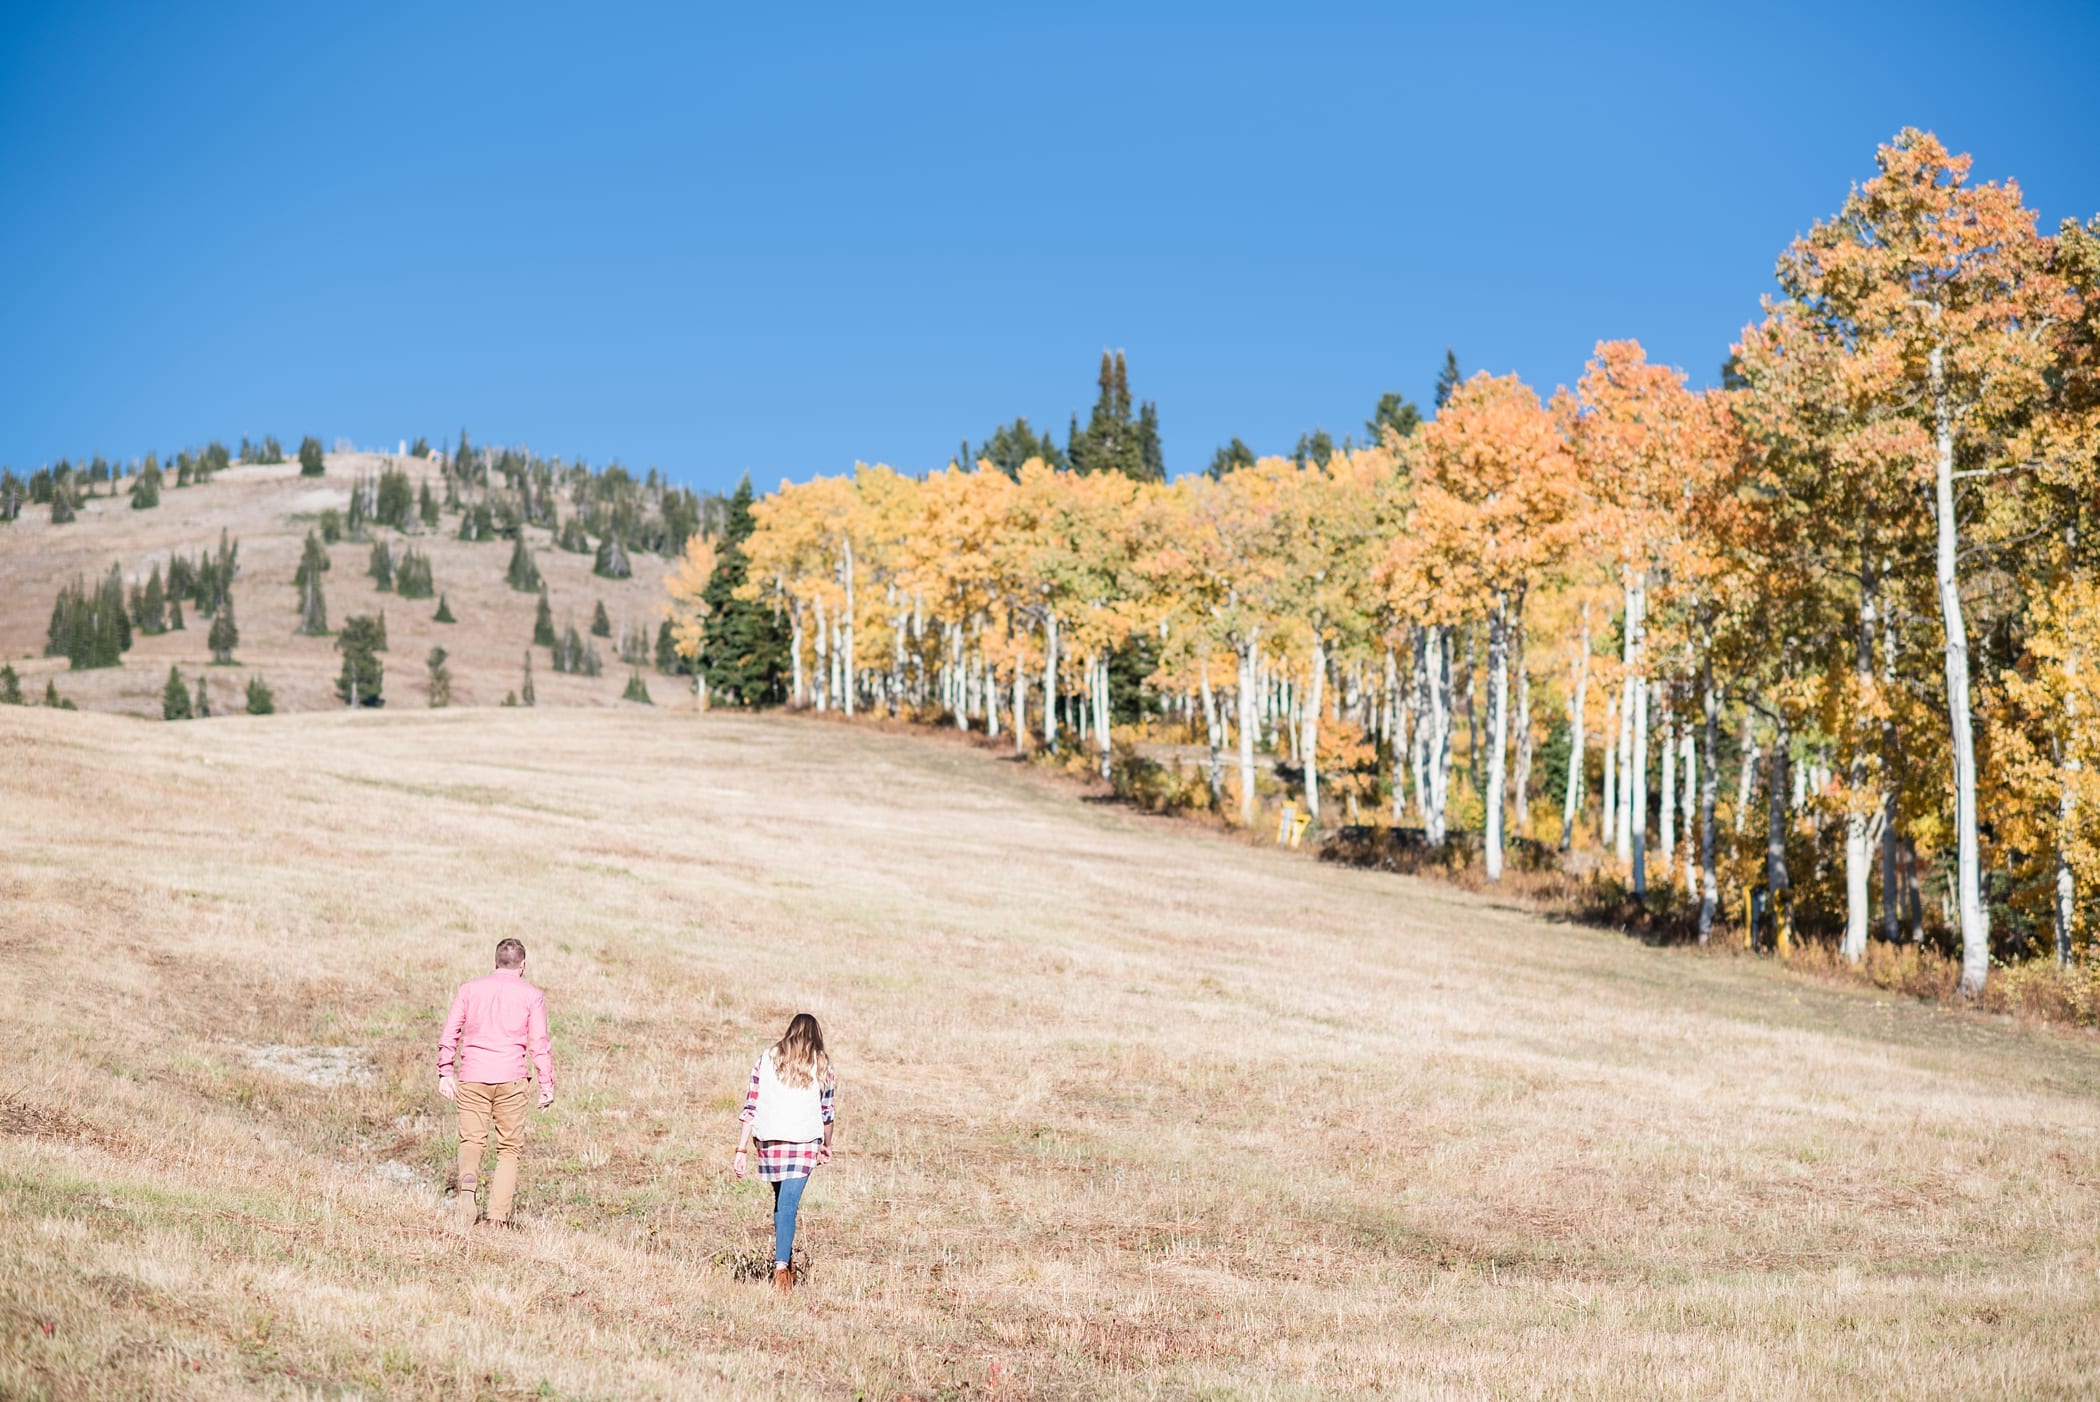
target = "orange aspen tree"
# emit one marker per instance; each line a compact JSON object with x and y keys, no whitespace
{"x":688,"y":609}
{"x":1938,"y":291}
{"x":1495,"y":508}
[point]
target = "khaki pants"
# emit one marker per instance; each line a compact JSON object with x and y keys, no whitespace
{"x":479,"y":1104}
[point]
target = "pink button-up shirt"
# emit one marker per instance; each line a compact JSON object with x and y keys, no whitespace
{"x":495,"y":1021}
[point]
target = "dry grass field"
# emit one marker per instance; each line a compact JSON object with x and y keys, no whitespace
{"x":1125,"y":1109}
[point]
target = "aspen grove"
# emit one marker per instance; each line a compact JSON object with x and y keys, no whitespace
{"x":1808,"y":628}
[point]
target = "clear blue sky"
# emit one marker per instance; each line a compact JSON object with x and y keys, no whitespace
{"x":712,"y":243}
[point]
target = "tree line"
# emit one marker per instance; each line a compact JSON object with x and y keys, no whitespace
{"x":1827,"y":629}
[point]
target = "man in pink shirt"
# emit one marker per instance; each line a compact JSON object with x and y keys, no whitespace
{"x":495,"y":1022}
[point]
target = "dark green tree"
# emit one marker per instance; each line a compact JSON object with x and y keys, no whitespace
{"x":145,"y":493}
{"x":311,"y":463}
{"x":261,"y":700}
{"x":381,"y":566}
{"x":427,"y":507}
{"x":744,"y":654}
{"x":523,"y":574}
{"x":10,"y":685}
{"x":637,"y":689}
{"x":362,"y":675}
{"x":412,"y":577}
{"x":175,"y":698}
{"x":203,"y":697}
{"x":440,"y":679}
{"x":1315,"y":447}
{"x":526,"y":696}
{"x":224,"y":636}
{"x":1110,"y":442}
{"x":1152,"y":457}
{"x":601,"y":626}
{"x":1230,"y":458}
{"x":54,"y":700}
{"x":444,"y":613}
{"x":1447,"y":379}
{"x":612,"y":561}
{"x":1396,"y":412}
{"x":1011,"y":445}
{"x":153,"y":605}
{"x":543,"y":622}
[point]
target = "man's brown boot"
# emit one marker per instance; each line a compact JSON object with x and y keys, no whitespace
{"x":784,"y":1279}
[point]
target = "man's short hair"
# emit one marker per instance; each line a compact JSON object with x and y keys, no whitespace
{"x":509,"y":953}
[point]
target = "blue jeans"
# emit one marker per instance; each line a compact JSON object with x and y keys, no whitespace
{"x":787,"y":1198}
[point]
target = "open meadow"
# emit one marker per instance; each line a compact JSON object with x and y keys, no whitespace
{"x":1126,"y":1109}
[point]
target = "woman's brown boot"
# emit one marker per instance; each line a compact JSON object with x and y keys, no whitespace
{"x":784,"y":1279}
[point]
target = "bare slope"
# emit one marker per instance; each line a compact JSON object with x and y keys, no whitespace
{"x":269,"y":511}
{"x":1124,"y":1110}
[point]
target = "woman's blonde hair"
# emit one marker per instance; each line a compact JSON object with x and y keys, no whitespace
{"x":798,"y":1057}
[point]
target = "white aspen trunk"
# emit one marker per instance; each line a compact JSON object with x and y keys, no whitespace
{"x":1666,"y":840}
{"x":991,"y":700}
{"x":1498,"y":729}
{"x":2068,"y":766}
{"x":1571,"y":803}
{"x":961,"y":673}
{"x":847,"y":664}
{"x":1614,"y":734}
{"x":1975,"y":926}
{"x":1249,"y":720}
{"x":1210,"y":726}
{"x":1638,"y":809}
{"x":1859,"y":820}
{"x":1438,"y":770}
{"x":1521,"y":786}
{"x":1309,"y":739}
{"x":1103,"y":728}
{"x":801,"y":697}
{"x":1689,"y":758}
{"x":1744,"y":779}
{"x":1710,"y":737}
{"x":1020,"y":707}
{"x":823,"y":682}
{"x":1393,"y":738}
{"x":1050,"y":682}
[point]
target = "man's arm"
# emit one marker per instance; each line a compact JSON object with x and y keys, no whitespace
{"x":448,"y":1041}
{"x":541,"y":1045}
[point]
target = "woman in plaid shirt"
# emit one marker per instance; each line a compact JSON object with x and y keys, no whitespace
{"x":787,"y":1111}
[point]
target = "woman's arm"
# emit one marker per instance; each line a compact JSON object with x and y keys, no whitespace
{"x":824,"y":1102}
{"x":738,"y":1164}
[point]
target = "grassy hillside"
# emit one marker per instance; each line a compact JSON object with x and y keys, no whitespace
{"x":269,"y":511}
{"x":1125,"y":1110}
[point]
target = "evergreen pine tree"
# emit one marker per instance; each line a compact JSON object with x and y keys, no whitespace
{"x":1447,"y":380}
{"x":427,"y":507}
{"x":1230,"y":458}
{"x":543,"y":622}
{"x":175,"y":623}
{"x":313,"y":607}
{"x":744,"y":655}
{"x":261,"y":700}
{"x":362,"y":675}
{"x":145,"y":493}
{"x":153,"y":605}
{"x":311,"y":464}
{"x":61,"y":506}
{"x":612,"y":561}
{"x":381,"y":567}
{"x":444,"y":613}
{"x":525,"y":694}
{"x":10,"y":685}
{"x":601,"y":626}
{"x":637,"y":689}
{"x":379,"y":644}
{"x":54,"y":700}
{"x":440,"y":679}
{"x":1151,"y":456}
{"x":203,"y":698}
{"x":174,"y":698}
{"x":1395,"y":412}
{"x":524,"y":575}
{"x":224,"y":636}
